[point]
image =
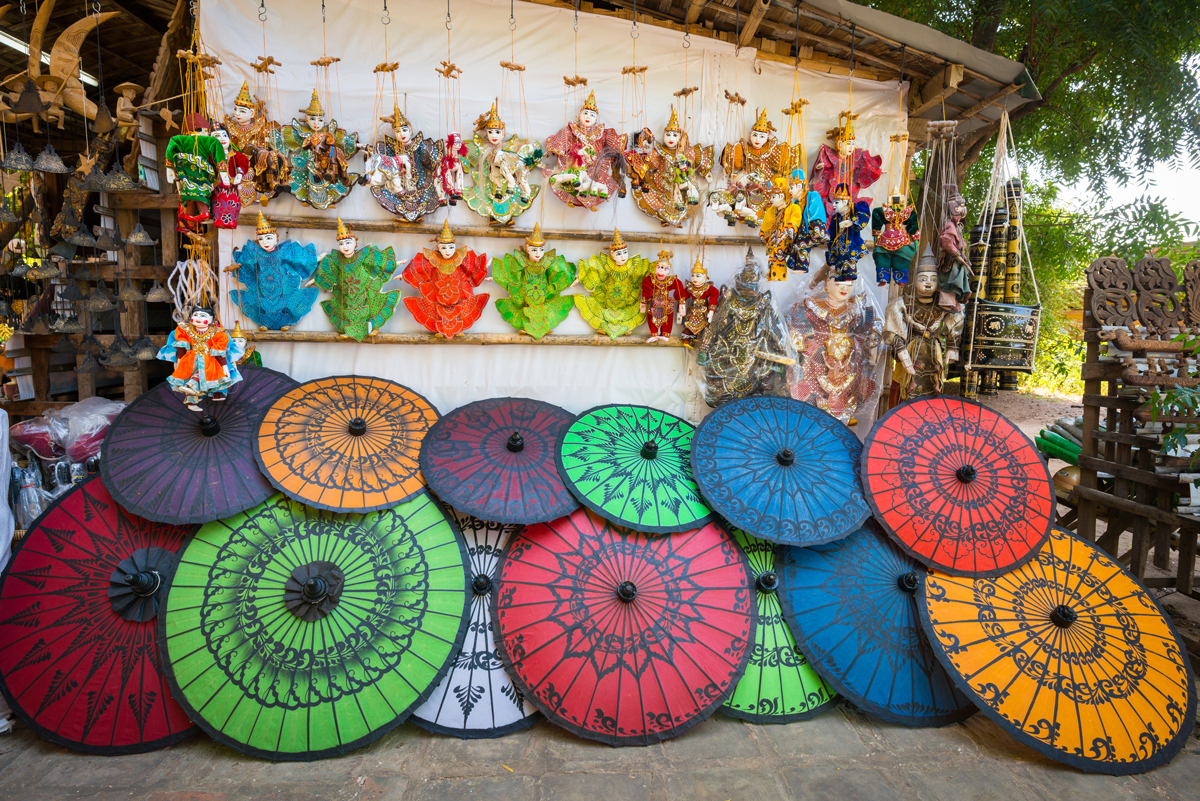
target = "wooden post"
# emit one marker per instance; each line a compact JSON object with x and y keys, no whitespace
{"x":39,"y":362}
{"x":1086,"y":525}
{"x":85,"y":381}
{"x":132,"y":315}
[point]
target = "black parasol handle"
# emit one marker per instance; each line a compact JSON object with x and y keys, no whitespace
{"x":515,"y":443}
{"x":209,"y":426}
{"x":357,"y":427}
{"x":650,"y":450}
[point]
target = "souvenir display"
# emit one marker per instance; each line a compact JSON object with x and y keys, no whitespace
{"x":846,"y":244}
{"x":745,"y":350}
{"x":227,"y":199}
{"x":958,"y":487}
{"x":319,"y":154}
{"x":845,"y":163}
{"x":923,"y":336}
{"x":495,"y":459}
{"x":587,"y":154}
{"x":1112,"y":691}
{"x":781,"y":470}
{"x":615,"y":280}
{"x":195,"y":162}
{"x":205,"y":358}
{"x":535,"y":279}
{"x":477,"y":699}
{"x":253,"y":134}
{"x":346,"y":444}
{"x":78,"y":626}
{"x":666,"y":174}
{"x":446,"y":278}
{"x":499,"y":170}
{"x":661,"y":294}
{"x":896,"y":229}
{"x":836,"y":331}
{"x":355,"y":276}
{"x":620,"y":636}
{"x":402,"y":170}
{"x":450,"y":170}
{"x":697,"y":303}
{"x":779,"y":686}
{"x":629,"y":464}
{"x":273,"y":275}
{"x":366,"y":614}
{"x":954,"y":266}
{"x":750,"y":165}
{"x":165,"y":465}
{"x":780,"y":222}
{"x":852,"y":606}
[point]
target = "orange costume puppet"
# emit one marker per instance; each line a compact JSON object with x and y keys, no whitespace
{"x":446,"y":279}
{"x":205,"y":358}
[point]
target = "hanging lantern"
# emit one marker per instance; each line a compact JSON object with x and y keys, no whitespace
{"x":159,"y":294}
{"x":48,"y":161}
{"x":128,"y":293}
{"x":17,"y":159}
{"x":139,"y":237}
{"x":88,"y":365}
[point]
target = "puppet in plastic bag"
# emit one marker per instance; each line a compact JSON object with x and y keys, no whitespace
{"x":615,"y":281}
{"x":205,"y":358}
{"x":446,"y":277}
{"x":320,"y":154}
{"x":897,"y":231}
{"x":587,"y":154}
{"x":923,"y":336}
{"x":272,"y":274}
{"x":535,"y":279}
{"x":667,"y":174}
{"x":846,"y":244}
{"x":750,"y":165}
{"x":837,"y":332}
{"x":745,"y":350}
{"x":402,"y":170}
{"x":661,"y":293}
{"x":499,"y":170}
{"x":355,"y":277}
{"x":697,"y":304}
{"x":256,"y":136}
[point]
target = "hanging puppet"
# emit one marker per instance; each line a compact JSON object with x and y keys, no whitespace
{"x":205,"y":358}
{"x":923,"y":336}
{"x":745,"y":350}
{"x":252,"y":133}
{"x":750,"y":167}
{"x":227,"y":199}
{"x":588,"y":155}
{"x":195,"y":163}
{"x":273,"y":275}
{"x":896,"y":229}
{"x":615,"y":281}
{"x":844,"y":163}
{"x":846,"y":245}
{"x":667,"y":174}
{"x":837,"y":335}
{"x":697,"y":303}
{"x":954,"y":266}
{"x":319,"y":155}
{"x":355,"y":277}
{"x":446,"y":278}
{"x":499,"y":170}
{"x":535,"y":279}
{"x":402,"y":170}
{"x":661,"y":292}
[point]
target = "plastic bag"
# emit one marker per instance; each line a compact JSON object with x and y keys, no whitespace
{"x":86,"y":424}
{"x":41,"y":436}
{"x":32,"y":500}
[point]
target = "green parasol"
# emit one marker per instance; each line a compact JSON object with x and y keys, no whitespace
{"x":294,"y":634}
{"x":632,"y":466}
{"x":779,"y":686}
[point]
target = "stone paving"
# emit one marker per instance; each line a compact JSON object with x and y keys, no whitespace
{"x":842,"y":754}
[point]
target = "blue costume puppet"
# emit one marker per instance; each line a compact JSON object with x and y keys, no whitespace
{"x":272,"y":274}
{"x":846,"y":245}
{"x":811,"y":231}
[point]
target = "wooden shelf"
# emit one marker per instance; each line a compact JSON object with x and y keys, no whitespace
{"x":388,"y":338}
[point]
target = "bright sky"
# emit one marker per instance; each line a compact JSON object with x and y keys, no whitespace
{"x":1178,"y":187}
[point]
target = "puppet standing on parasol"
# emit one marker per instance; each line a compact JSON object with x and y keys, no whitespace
{"x":446,"y":278}
{"x":615,"y":281}
{"x":355,"y":277}
{"x":320,"y":153}
{"x":535,"y":279}
{"x":273,"y":273}
{"x":587,"y":152}
{"x":205,"y":358}
{"x":499,"y":170}
{"x":666,"y":174}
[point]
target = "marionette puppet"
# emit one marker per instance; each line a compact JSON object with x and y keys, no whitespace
{"x":402,"y":170}
{"x":666,"y":174}
{"x":319,"y":153}
{"x":354,"y":276}
{"x":837,"y":335}
{"x":535,"y":279}
{"x":896,"y":229}
{"x":451,"y":176}
{"x":812,"y":230}
{"x":446,"y":277}
{"x":615,"y":280}
{"x":923,"y":336}
{"x":846,"y":245}
{"x":195,"y":162}
{"x":252,"y":133}
{"x":205,"y":358}
{"x":273,"y":275}
{"x":126,"y":111}
{"x":745,"y":350}
{"x":499,"y":170}
{"x":781,"y":222}
{"x":954,"y":266}
{"x":587,"y":152}
{"x":697,"y":304}
{"x":227,"y":200}
{"x":750,"y":166}
{"x":661,"y":292}
{"x":844,"y":163}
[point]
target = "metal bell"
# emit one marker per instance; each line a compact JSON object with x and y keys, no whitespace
{"x":122,"y":344}
{"x":94,"y":180}
{"x":48,"y":161}
{"x":159,"y":294}
{"x":117,"y":180}
{"x":105,"y":239}
{"x":17,"y":159}
{"x":139,"y":237}
{"x":70,"y":325}
{"x":82,"y":238}
{"x":63,"y":345}
{"x":104,"y":291}
{"x":97,"y":302}
{"x":85,"y":273}
{"x":118,"y":354}
{"x":91,"y":345}
{"x":37,"y":325}
{"x":30,"y":100}
{"x":104,"y":121}
{"x":128,"y":293}
{"x":21,"y":268}
{"x":47,"y":268}
{"x":72,"y":292}
{"x":6,"y":215}
{"x":6,"y":309}
{"x":87,"y":365}
{"x":144,"y":350}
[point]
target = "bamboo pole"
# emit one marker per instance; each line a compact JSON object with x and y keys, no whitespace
{"x":584,"y":340}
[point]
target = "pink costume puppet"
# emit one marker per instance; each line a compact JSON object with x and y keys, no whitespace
{"x":586,"y":150}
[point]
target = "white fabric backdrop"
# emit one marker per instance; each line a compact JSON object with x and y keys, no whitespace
{"x":576,"y":378}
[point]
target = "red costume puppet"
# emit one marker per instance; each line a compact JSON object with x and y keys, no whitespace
{"x":446,"y":279}
{"x":660,"y":294}
{"x":697,"y":303}
{"x":227,"y":200}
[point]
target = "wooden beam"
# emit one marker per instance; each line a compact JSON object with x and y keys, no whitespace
{"x":142,"y":199}
{"x":752,"y":21}
{"x":577,"y":340}
{"x":693,"y":9}
{"x":988,"y":101}
{"x":935,"y":90}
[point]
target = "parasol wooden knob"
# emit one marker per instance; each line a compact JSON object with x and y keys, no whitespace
{"x":357,"y":427}
{"x":481,"y":584}
{"x":966,"y":474}
{"x":909,"y":582}
{"x":626,"y":591}
{"x":767,"y":582}
{"x":786,"y":457}
{"x":144,"y":583}
{"x":209,"y":426}
{"x":1063,"y":616}
{"x":315,"y":590}
{"x":515,"y":443}
{"x":650,"y":450}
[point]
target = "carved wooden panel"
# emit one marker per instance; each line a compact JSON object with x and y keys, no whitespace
{"x":1111,"y":283}
{"x":1191,"y":286}
{"x":1159,"y":306}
